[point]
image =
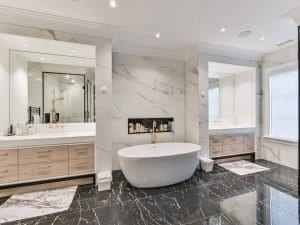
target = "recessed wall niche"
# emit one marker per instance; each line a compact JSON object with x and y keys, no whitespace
{"x":146,"y":125}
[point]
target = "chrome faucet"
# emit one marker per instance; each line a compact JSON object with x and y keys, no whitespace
{"x":153,"y":135}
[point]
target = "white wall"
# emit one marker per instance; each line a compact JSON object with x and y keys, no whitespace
{"x":245,"y":98}
{"x":227,"y":99}
{"x":4,"y":90}
{"x":282,"y":152}
{"x":19,"y":88}
{"x":146,"y":87}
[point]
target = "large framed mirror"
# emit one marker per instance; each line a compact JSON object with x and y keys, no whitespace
{"x":52,"y":88}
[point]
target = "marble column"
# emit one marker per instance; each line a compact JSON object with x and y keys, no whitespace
{"x":103,"y":83}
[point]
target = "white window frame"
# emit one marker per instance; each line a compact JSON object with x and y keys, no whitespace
{"x":267,"y":72}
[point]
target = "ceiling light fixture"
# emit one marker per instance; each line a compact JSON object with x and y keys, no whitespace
{"x":67,"y":76}
{"x":112,"y":3}
{"x":42,"y":58}
{"x":223,"y":29}
{"x":73,"y":51}
{"x":262,"y":38}
{"x":80,"y":62}
{"x":157,"y":35}
{"x":26,"y":45}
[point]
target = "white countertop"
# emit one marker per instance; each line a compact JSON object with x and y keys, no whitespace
{"x":224,"y":130}
{"x":46,"y":139}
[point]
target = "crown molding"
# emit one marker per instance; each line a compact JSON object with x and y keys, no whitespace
{"x":227,"y":51}
{"x":24,"y":17}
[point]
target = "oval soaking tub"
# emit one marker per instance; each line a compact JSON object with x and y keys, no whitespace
{"x":155,"y":165}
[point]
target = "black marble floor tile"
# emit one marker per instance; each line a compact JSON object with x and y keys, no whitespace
{"x":219,"y":197}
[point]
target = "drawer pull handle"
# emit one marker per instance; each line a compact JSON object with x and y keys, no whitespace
{"x":80,"y":165}
{"x":4,"y":171}
{"x":44,"y":154}
{"x":4,"y":155}
{"x":45,"y":167}
{"x":81,"y":151}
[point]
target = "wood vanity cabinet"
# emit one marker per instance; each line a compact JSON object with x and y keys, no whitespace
{"x":36,"y":163}
{"x":230,"y":144}
{"x":8,"y":166}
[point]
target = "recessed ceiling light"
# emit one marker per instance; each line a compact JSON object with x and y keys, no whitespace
{"x":223,"y":29}
{"x":26,"y":45}
{"x":67,"y":76}
{"x":42,"y":58}
{"x":262,"y":38}
{"x":39,"y":79}
{"x":157,"y":35}
{"x":112,"y":3}
{"x":73,"y":51}
{"x":80,"y":62}
{"x":73,"y":81}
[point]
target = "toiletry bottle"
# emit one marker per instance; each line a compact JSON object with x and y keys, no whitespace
{"x":161,"y":127}
{"x":18,"y":128}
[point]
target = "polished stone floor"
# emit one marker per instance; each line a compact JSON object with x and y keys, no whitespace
{"x":216,"y":198}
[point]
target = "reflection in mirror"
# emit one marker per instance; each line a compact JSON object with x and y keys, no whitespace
{"x":51,"y":88}
{"x":232,"y":96}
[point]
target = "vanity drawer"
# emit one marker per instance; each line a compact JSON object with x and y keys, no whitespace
{"x":8,"y":157}
{"x":232,"y":149}
{"x":249,"y":138}
{"x":248,"y":147}
{"x":216,"y":151}
{"x":42,"y":170}
{"x":81,"y":166}
{"x":233,"y":139}
{"x":8,"y":174}
{"x":43,"y":154}
{"x":84,"y":151}
{"x":215,"y":140}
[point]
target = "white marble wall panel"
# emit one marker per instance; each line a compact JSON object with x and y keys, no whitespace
{"x":103,"y":81}
{"x":192,"y":100}
{"x":146,"y":87}
{"x":283,"y":153}
{"x":203,"y":105}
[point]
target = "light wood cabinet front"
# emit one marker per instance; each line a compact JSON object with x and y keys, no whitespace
{"x":8,"y":157}
{"x":45,"y":162}
{"x":43,"y":154}
{"x":8,"y":174}
{"x":79,"y":166}
{"x":231,"y":144}
{"x":83,"y":151}
{"x":42,"y":170}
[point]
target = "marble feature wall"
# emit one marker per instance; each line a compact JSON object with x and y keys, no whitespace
{"x":203,"y":105}
{"x":146,"y":87}
{"x":192,"y":99}
{"x":280,"y":152}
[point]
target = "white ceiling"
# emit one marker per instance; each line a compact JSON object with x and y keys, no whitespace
{"x":180,"y":23}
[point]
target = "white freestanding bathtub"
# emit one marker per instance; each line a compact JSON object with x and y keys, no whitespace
{"x":155,"y":165}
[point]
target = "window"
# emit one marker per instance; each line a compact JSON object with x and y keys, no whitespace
{"x":213,"y":108}
{"x":283,"y":103}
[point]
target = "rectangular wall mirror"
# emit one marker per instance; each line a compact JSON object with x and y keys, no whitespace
{"x":51,"y":88}
{"x":231,"y":96}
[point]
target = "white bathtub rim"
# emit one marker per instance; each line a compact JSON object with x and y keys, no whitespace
{"x":122,"y":152}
